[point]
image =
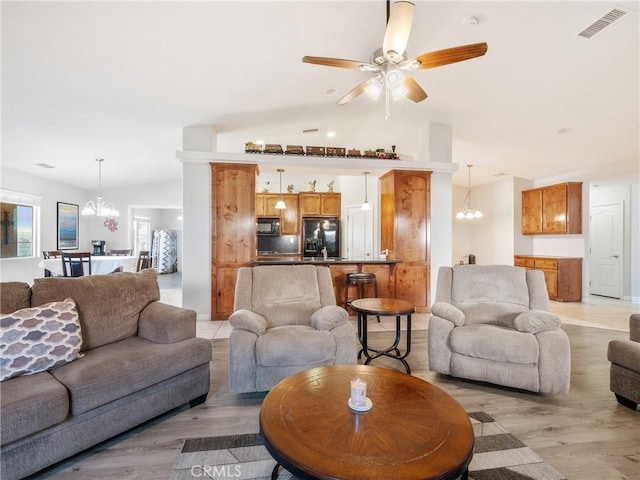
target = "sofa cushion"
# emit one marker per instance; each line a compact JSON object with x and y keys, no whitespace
{"x":281,"y":301}
{"x":103,"y":320}
{"x":118,"y":369}
{"x":273,"y":349}
{"x":490,"y":293}
{"x":495,"y":343}
{"x":14,"y":296}
{"x":29,"y":404}
{"x":36,"y":339}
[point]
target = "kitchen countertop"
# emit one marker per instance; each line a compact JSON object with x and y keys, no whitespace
{"x":320,"y":261}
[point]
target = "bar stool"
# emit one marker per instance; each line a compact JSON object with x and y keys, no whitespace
{"x":360,"y":280}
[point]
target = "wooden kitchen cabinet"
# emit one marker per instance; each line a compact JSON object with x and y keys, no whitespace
{"x":405,"y":214}
{"x":552,"y":210}
{"x":289,"y":218}
{"x":563,"y":275}
{"x":327,"y":204}
{"x":266,"y":205}
{"x":233,"y":241}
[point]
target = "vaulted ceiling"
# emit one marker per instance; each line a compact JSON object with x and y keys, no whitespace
{"x":119,"y":80}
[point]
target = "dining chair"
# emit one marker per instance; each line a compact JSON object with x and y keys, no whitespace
{"x":144,"y":260}
{"x":121,"y":253}
{"x":76,"y":264}
{"x":47,"y":254}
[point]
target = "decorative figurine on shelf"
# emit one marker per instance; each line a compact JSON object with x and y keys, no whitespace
{"x":290,"y":188}
{"x":265,"y":187}
{"x":312,"y":186}
{"x":330,"y":186}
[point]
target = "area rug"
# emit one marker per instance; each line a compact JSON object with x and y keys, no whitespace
{"x":498,"y":455}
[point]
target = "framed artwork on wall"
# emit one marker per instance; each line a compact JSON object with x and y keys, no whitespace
{"x":68,"y":225}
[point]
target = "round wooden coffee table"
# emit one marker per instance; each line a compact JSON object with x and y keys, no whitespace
{"x":414,"y":430}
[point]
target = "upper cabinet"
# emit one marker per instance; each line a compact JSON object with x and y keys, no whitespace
{"x":552,"y":210}
{"x":326,"y":204}
{"x":266,"y":207}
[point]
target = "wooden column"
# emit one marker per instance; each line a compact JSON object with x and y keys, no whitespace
{"x":233,"y":242}
{"x":405,"y":223}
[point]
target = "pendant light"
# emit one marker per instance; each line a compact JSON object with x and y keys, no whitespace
{"x":100,"y":208}
{"x":280,"y":205}
{"x":365,"y":205}
{"x":469,"y":210}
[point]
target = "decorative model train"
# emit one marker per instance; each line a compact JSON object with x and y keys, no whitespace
{"x":274,"y":148}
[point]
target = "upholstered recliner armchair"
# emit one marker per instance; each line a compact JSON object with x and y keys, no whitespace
{"x":624,"y":355}
{"x":491,"y":323}
{"x":285,"y":321}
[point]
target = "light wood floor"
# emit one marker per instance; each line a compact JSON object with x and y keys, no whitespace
{"x":585,"y":435}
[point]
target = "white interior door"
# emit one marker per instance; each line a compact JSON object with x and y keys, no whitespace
{"x":607,"y":231}
{"x":359,"y":233}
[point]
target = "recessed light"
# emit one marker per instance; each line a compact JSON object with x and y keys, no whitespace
{"x":259,"y":142}
{"x":331,"y":134}
{"x":331,"y":91}
{"x":470,"y":21}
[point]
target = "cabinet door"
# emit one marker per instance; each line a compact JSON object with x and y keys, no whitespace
{"x":554,"y":209}
{"x":551,"y":279}
{"x":526,"y":262}
{"x":330,"y":204}
{"x":289,"y":224}
{"x":310,"y":204}
{"x":531,"y":211}
{"x":224,"y":288}
{"x":266,"y":205}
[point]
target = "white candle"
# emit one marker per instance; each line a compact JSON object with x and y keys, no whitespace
{"x":358,"y":391}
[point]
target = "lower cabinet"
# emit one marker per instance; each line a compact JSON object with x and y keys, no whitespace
{"x":563,"y":275}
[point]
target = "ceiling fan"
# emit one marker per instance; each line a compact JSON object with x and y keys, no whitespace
{"x":389,"y":63}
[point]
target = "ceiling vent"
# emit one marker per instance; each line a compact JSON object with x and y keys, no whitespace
{"x":45,"y":165}
{"x":606,"y":20}
{"x":310,"y":130}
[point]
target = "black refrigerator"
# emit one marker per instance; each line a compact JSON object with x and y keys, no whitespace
{"x":318,"y":233}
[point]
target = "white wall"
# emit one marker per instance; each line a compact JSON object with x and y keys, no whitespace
{"x":26,"y":269}
{"x":165,"y":195}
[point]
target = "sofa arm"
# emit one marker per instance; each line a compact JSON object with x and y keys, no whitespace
{"x":329,"y":317}
{"x":624,"y":353}
{"x":634,"y":327}
{"x":248,"y":320}
{"x":162,"y":323}
{"x":448,"y":312}
{"x":535,"y":321}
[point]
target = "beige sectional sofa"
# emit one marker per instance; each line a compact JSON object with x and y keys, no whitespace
{"x":132,"y":359}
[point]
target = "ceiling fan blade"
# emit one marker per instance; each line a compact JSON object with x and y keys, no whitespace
{"x":449,"y":55}
{"x":414,"y":91}
{"x":398,"y":29}
{"x":334,"y":62}
{"x":354,"y":93}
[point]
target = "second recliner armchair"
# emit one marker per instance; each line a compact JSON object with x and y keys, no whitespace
{"x":285,"y":321}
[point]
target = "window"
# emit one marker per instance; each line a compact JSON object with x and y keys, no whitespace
{"x":19,"y":224}
{"x":141,"y":234}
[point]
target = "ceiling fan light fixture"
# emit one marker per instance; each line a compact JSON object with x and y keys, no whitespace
{"x":373,"y":88}
{"x":394,"y":78}
{"x":399,"y":92}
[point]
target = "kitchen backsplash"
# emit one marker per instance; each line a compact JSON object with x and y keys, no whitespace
{"x":277,"y":244}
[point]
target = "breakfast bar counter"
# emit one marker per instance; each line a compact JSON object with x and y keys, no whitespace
{"x":383,"y":269}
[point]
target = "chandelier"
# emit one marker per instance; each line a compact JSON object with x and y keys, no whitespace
{"x":100,"y":208}
{"x":469,"y":209}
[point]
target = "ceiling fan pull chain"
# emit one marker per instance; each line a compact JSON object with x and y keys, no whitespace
{"x":387,"y":114}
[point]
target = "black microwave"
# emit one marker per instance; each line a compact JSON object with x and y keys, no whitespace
{"x":268,"y":226}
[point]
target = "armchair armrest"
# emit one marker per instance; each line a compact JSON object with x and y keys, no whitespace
{"x":248,"y":320}
{"x":448,"y":312}
{"x":162,"y":323}
{"x":535,"y":321}
{"x":634,"y":327}
{"x":329,"y":317}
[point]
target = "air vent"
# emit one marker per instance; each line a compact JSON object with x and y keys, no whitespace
{"x":310,"y":130}
{"x":608,"y":19}
{"x":45,"y":165}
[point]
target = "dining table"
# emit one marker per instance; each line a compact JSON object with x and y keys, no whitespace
{"x":100,"y":264}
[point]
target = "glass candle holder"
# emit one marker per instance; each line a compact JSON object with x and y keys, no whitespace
{"x":358,"y":392}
